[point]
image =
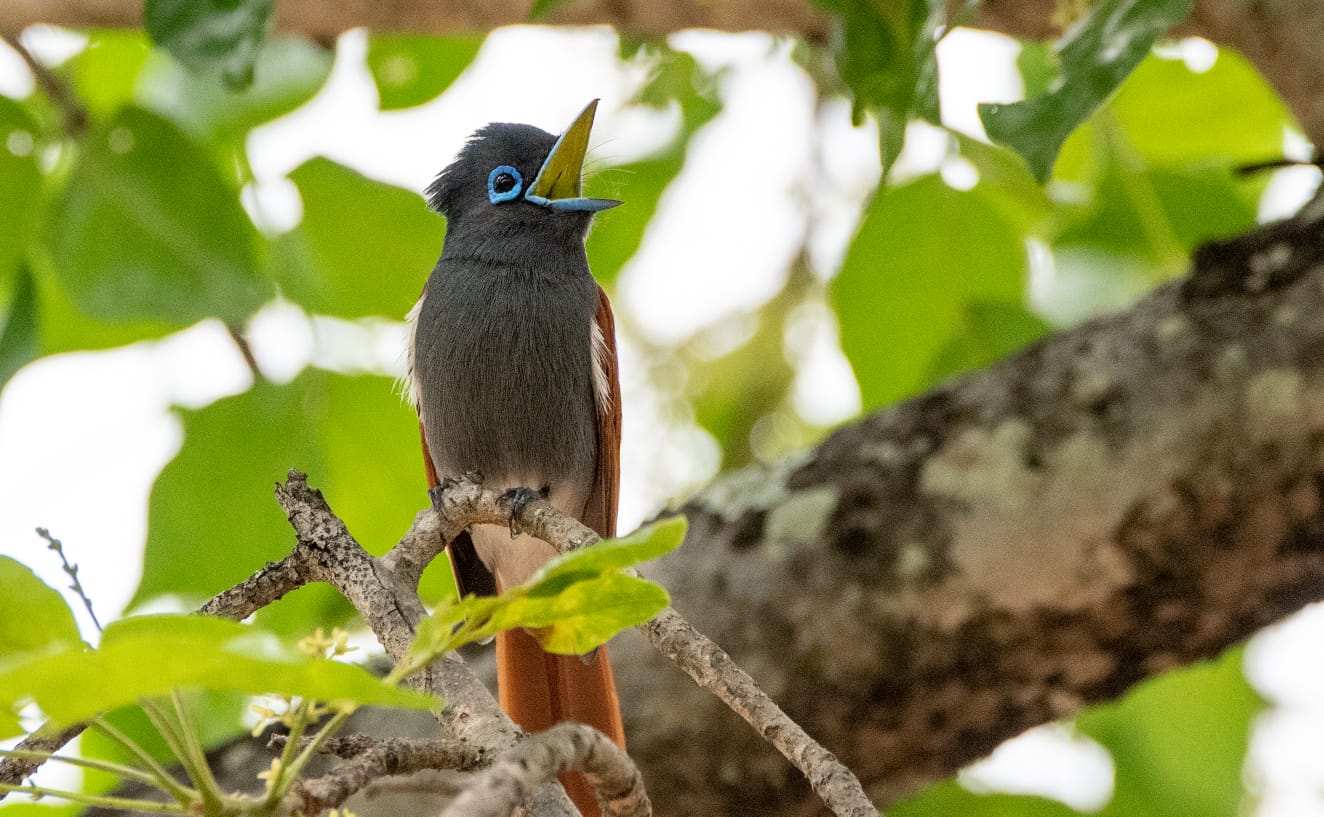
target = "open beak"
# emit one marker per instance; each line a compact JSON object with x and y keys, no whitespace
{"x":558,"y":182}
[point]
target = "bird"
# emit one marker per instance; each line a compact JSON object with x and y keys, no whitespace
{"x":512,"y":368}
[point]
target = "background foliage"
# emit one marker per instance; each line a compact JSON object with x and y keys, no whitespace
{"x":121,"y":220}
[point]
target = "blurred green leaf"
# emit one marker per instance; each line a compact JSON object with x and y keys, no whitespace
{"x":1179,"y":741}
{"x":20,"y":183}
{"x":409,"y":70}
{"x":990,"y":331}
{"x":1172,"y":115}
{"x":922,"y":254}
{"x":950,"y":799}
{"x":377,"y":268}
{"x":144,"y":229}
{"x":213,"y":519}
{"x":216,"y":716}
{"x":104,"y":75}
{"x":1096,"y":54}
{"x":290,"y":70}
{"x":148,"y":656}
{"x":18,"y":332}
{"x":33,"y":616}
{"x":885,"y":55}
{"x":211,"y":35}
{"x":63,"y":327}
{"x":541,"y":8}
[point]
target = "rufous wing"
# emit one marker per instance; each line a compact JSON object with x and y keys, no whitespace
{"x":600,"y":510}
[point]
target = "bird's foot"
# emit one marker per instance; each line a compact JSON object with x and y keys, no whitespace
{"x":519,"y":499}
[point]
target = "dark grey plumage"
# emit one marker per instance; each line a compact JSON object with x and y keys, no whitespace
{"x":502,"y":360}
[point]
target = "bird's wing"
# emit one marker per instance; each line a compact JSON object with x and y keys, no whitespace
{"x":600,"y":510}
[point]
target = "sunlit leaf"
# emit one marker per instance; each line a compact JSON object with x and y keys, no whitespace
{"x":923,"y":253}
{"x":1171,"y":114}
{"x":20,"y":183}
{"x":647,"y":543}
{"x":211,"y":35}
{"x":1179,"y":741}
{"x":377,"y":268}
{"x":409,"y":70}
{"x":1095,"y":54}
{"x":585,"y":614}
{"x":105,"y":73}
{"x":574,"y":604}
{"x":148,"y":656}
{"x":32,"y":615}
{"x":145,"y":230}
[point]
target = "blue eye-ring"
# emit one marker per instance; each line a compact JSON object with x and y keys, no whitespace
{"x":503,"y":184}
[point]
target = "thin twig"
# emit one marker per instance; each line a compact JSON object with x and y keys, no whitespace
{"x":72,"y":570}
{"x":245,"y":351}
{"x":75,"y":115}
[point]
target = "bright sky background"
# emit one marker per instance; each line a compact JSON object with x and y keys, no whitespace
{"x":702,"y":261}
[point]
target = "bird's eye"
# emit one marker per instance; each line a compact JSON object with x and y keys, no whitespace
{"x":503,"y":184}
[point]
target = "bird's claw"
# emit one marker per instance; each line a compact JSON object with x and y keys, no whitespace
{"x":519,"y":500}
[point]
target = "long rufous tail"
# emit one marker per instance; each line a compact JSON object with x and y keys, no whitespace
{"x":538,"y":689}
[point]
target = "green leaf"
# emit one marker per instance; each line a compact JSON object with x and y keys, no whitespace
{"x":409,"y":70}
{"x":148,"y":656}
{"x":951,"y":798}
{"x":290,"y":70}
{"x":649,"y":542}
{"x":576,"y":602}
{"x":18,"y":333}
{"x":922,"y":254}
{"x":991,"y":330}
{"x":541,"y":8}
{"x":585,"y":614}
{"x":377,"y":268}
{"x":64,"y":327}
{"x":1179,"y":741}
{"x":211,"y":35}
{"x":145,"y":230}
{"x":213,"y":519}
{"x":1096,"y":54}
{"x":33,"y":616}
{"x":1173,"y":115}
{"x":885,"y":54}
{"x":20,"y":183}
{"x":105,"y":73}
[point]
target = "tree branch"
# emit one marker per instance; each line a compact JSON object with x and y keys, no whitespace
{"x":1282,"y":38}
{"x":1138,"y":493}
{"x":496,"y":791}
{"x":370,"y":759}
{"x":464,"y":502}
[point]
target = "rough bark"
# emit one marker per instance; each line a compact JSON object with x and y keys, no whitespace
{"x":1135,"y":494}
{"x":1283,"y":38}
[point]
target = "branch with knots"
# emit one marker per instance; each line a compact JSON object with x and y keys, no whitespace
{"x":508,"y":768}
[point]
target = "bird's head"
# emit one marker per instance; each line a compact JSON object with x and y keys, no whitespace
{"x":511,"y":177}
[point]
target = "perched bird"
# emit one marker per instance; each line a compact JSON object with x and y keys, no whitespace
{"x":512,"y":367}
